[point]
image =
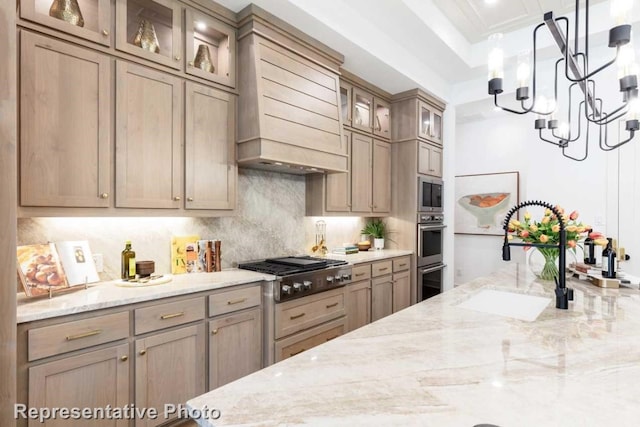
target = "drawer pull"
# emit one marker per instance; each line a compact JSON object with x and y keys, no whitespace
{"x":124,"y":358}
{"x":332,"y":305}
{"x":215,"y":331}
{"x":332,"y":338}
{"x":296,"y":352}
{"x":297,"y":316}
{"x":237,"y":301}
{"x":383,"y":269}
{"x":359,"y":274}
{"x":142,"y":352}
{"x":84,"y":335}
{"x":402,"y":265}
{"x":171,"y":316}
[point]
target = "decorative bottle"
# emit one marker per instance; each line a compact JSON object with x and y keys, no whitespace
{"x":128,"y":258}
{"x":609,"y":261}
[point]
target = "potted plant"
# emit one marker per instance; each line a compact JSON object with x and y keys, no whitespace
{"x":377,"y":229}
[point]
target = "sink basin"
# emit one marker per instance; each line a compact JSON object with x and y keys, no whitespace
{"x":507,"y":304}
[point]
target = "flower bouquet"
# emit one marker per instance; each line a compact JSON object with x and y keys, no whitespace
{"x":547,"y":231}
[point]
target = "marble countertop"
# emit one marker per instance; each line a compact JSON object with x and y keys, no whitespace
{"x":107,"y":294}
{"x":370,"y":255}
{"x":439,"y":364}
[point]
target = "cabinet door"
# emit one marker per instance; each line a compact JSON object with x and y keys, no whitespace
{"x":361,"y":173}
{"x":435,"y":162}
{"x":358,"y":304}
{"x":381,"y":297}
{"x":95,"y":17}
{"x":170,"y":369}
{"x":211,"y":173}
{"x":211,"y":48}
{"x":401,"y":291}
{"x":436,"y":129}
{"x":381,"y":118}
{"x":297,"y":343}
{"x":150,"y":29}
{"x":381,"y":178}
{"x":235,"y":346}
{"x":338,"y":188}
{"x":148,"y":138}
{"x":346,"y":103}
{"x":95,"y":379}
{"x":65,"y":124}
{"x":362,"y":110}
{"x":424,"y":156}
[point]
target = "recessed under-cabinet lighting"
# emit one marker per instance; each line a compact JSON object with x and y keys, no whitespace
{"x":201,"y":25}
{"x":490,"y":2}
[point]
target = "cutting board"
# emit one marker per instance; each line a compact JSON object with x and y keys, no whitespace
{"x":166,"y":278}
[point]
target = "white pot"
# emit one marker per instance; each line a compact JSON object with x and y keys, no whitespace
{"x":378,"y":244}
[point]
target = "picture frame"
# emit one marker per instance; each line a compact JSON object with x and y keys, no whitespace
{"x":483,"y":200}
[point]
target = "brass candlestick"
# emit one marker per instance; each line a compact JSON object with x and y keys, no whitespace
{"x":203,"y":59}
{"x":68,"y":11}
{"x":146,"y":37}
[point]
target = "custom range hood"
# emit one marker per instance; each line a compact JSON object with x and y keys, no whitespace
{"x":289,"y":104}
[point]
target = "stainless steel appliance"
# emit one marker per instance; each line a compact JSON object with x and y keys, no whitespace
{"x":430,"y":239}
{"x":295,"y":279}
{"x":430,"y":194}
{"x":430,"y":281}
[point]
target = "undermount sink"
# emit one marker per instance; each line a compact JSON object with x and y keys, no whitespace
{"x":507,"y":304}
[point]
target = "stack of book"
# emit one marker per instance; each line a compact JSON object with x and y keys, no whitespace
{"x":345,"y":250}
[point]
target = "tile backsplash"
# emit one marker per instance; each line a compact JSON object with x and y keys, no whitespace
{"x":269,"y":222}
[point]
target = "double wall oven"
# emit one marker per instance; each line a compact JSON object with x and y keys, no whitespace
{"x":429,"y":254}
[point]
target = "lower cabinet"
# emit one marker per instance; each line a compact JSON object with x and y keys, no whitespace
{"x":358,"y":304}
{"x":170,"y":369}
{"x":296,"y":344}
{"x":381,"y":297}
{"x":401,"y":291}
{"x":235,"y":346}
{"x":95,"y":379}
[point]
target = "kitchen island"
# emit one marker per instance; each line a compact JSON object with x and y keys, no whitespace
{"x":439,"y":364}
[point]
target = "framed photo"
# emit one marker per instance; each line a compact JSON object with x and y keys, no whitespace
{"x":40,"y":270}
{"x":483,"y":200}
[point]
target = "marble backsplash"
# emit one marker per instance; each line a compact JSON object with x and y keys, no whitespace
{"x":269,"y":222}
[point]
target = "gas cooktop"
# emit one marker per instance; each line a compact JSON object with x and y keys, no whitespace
{"x":287,"y":266}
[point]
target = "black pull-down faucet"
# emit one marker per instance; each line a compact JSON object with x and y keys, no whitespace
{"x":563,"y":294}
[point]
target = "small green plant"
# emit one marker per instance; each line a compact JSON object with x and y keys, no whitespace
{"x":375,"y":228}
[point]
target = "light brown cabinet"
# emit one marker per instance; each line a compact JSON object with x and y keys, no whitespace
{"x":150,"y":29}
{"x":65,"y":112}
{"x":429,"y":159}
{"x":235,"y":346}
{"x":381,"y":297}
{"x":361,"y":181}
{"x":211,"y":173}
{"x":430,"y":123}
{"x":338,"y":186}
{"x":401,"y":291}
{"x":170,"y":369}
{"x":346,"y":103}
{"x":417,"y":115}
{"x":148,"y":138}
{"x":96,"y":18}
{"x":358,"y":304}
{"x":381,"y":177}
{"x":381,"y":118}
{"x":362,"y":110}
{"x":95,"y":379}
{"x":296,"y":344}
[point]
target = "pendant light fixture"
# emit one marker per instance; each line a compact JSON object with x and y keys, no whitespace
{"x":566,"y":124}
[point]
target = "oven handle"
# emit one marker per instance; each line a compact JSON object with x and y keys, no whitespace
{"x":432,"y":269}
{"x":431,"y":227}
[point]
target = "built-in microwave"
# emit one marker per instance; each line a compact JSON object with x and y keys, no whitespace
{"x":430,"y":194}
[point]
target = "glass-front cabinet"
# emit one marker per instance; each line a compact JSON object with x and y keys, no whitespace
{"x":362,"y":110}
{"x":346,"y":97}
{"x":89,"y":19}
{"x":210,"y":49}
{"x":381,"y":123}
{"x":430,"y":123}
{"x":150,"y":29}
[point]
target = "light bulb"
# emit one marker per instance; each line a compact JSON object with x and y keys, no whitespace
{"x":551,"y":108}
{"x":201,"y":25}
{"x":524,"y":70}
{"x":633,"y":113}
{"x":626,"y":60}
{"x":620,"y":11}
{"x":540,"y":106}
{"x":563,"y":130}
{"x":495,"y":61}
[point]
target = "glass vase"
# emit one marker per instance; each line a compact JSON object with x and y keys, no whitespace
{"x":543,"y":262}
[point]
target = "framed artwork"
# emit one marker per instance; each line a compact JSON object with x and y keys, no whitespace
{"x":77,"y":261}
{"x":40,"y":270}
{"x":483,"y":200}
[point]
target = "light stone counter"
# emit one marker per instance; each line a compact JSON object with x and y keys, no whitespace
{"x":107,"y":294}
{"x":370,"y":255}
{"x":437,"y":364}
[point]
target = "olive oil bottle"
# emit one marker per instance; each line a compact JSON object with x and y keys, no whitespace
{"x":128,"y":262}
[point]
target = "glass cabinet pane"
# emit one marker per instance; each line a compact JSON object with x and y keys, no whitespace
{"x":425,"y":121}
{"x":381,"y":124}
{"x":345,"y":104}
{"x":362,"y":109}
{"x":211,"y":49}
{"x":437,"y":126}
{"x":89,"y":19}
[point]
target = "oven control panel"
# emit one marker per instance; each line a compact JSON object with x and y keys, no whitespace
{"x":303,"y":284}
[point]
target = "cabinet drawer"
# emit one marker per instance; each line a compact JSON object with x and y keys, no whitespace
{"x":226,"y":302}
{"x":361,"y":272}
{"x":65,"y":337}
{"x":294,"y":316}
{"x":169,"y":314}
{"x":401,"y":264}
{"x":381,"y":268}
{"x":298,"y":343}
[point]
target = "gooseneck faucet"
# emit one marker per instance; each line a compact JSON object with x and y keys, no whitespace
{"x":563,"y":294}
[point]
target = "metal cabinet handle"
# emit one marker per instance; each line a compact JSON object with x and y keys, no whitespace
{"x":176,"y":198}
{"x":142,"y":352}
{"x":332,"y":305}
{"x":171,"y":316}
{"x":124,"y":358}
{"x":384,"y":269}
{"x":360,"y":274}
{"x":104,"y":195}
{"x":84,"y":335}
{"x":189,"y":199}
{"x":296,"y":352}
{"x":191,"y":63}
{"x":215,"y":331}
{"x":105,"y":33}
{"x":297,"y":316}
{"x":402,"y":265}
{"x":177,"y":57}
{"x":237,"y":301}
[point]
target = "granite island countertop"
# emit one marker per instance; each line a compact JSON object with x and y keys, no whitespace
{"x":438,"y":364}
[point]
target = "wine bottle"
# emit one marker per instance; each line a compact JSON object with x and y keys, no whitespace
{"x":609,"y":261}
{"x":128,"y":261}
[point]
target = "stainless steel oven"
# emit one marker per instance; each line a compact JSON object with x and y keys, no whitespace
{"x":430,"y":238}
{"x":430,"y":194}
{"x":430,"y":281}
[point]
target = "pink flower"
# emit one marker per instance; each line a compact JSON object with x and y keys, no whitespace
{"x":524,"y":234}
{"x":573,"y":215}
{"x":596,"y":235}
{"x":571,"y":243}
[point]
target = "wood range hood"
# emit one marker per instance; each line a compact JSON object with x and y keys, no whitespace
{"x":289,"y":105}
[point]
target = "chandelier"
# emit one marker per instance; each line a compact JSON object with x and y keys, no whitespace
{"x":585,"y":110}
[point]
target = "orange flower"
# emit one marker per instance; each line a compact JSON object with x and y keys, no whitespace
{"x":544,"y":238}
{"x":555,"y":228}
{"x":596,"y":235}
{"x":547,"y":212}
{"x":533,"y":228}
{"x":573,"y":215}
{"x":572,"y":243}
{"x":510,"y":237}
{"x":524,"y":234}
{"x":560,"y":209}
{"x":601,"y":242}
{"x":527,"y":216}
{"x":545,"y":220}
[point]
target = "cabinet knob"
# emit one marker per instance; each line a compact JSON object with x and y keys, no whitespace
{"x":105,"y":33}
{"x":177,"y":57}
{"x":189,"y":199}
{"x":176,"y":198}
{"x":142,"y":352}
{"x":104,"y":195}
{"x":215,"y":331}
{"x":124,"y":358}
{"x":191,"y":63}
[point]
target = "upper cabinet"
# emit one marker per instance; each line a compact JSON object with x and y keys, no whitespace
{"x":364,"y":107}
{"x":417,"y":115}
{"x":362,"y":110}
{"x":88,"y":19}
{"x":346,"y":102}
{"x":381,"y":118}
{"x":210,"y":48}
{"x":430,"y":123}
{"x":150,"y":29}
